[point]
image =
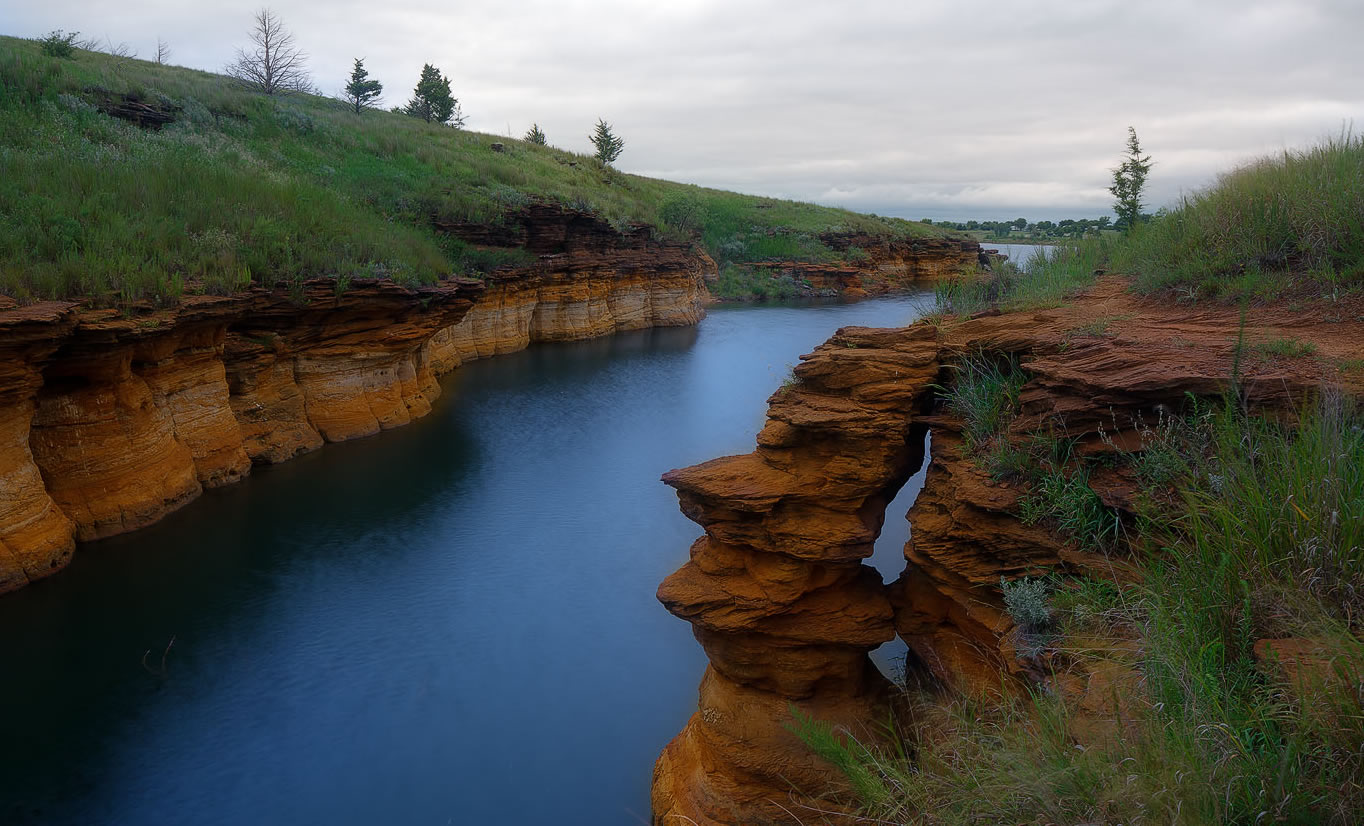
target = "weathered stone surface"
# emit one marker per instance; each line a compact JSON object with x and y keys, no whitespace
{"x":775,"y":590}
{"x":887,"y":265}
{"x":109,"y":422}
{"x":591,"y":280}
{"x":36,"y":538}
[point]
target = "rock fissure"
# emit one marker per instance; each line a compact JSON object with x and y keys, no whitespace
{"x":776,"y":589}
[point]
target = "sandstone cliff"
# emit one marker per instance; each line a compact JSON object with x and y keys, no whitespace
{"x":776,"y":590}
{"x":109,"y":421}
{"x":886,"y":265}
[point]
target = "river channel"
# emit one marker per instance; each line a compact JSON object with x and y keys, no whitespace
{"x":449,"y":623}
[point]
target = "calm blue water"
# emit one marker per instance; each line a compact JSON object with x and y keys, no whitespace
{"x":450,"y":623}
{"x":1019,"y":254}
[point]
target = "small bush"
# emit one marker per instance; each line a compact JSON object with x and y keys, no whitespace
{"x":1026,"y":601}
{"x":1286,"y":347}
{"x":683,"y":212}
{"x":58,"y":43}
{"x":741,"y":283}
{"x":1047,"y":280}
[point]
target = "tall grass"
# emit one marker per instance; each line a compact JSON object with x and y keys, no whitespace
{"x":1288,"y":224}
{"x":243,"y":188}
{"x":1292,"y":220}
{"x":984,"y":393}
{"x":1266,"y":542}
{"x":1049,"y":279}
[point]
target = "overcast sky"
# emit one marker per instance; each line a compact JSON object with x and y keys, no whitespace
{"x":918,"y":108}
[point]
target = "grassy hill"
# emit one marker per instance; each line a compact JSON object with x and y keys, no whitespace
{"x":239,"y":187}
{"x":1285,"y":227}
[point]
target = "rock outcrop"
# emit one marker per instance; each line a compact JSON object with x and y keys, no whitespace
{"x":776,"y":591}
{"x":113,"y":421}
{"x":590,"y":280}
{"x":109,"y":421}
{"x":884,"y":265}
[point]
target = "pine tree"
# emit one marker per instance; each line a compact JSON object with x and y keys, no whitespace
{"x":535,"y":135}
{"x":361,"y":92}
{"x":431,"y":99}
{"x":608,"y":145}
{"x":1129,"y":179}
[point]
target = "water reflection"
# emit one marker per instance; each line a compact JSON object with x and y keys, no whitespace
{"x":453,"y":622}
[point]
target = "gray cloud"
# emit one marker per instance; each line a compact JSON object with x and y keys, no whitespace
{"x":919,"y":108}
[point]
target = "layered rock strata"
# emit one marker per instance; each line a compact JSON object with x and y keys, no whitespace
{"x":776,"y":589}
{"x":108,"y":421}
{"x":776,"y":592}
{"x":111,"y":422}
{"x":885,"y":265}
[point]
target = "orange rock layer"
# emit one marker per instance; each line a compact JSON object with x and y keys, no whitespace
{"x":108,"y":423}
{"x":776,"y":591}
{"x":888,"y":265}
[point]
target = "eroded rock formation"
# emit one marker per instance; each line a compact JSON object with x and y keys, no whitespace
{"x":110,"y":421}
{"x":885,"y":265}
{"x":776,"y":591}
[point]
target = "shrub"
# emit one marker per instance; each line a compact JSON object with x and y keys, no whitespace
{"x":1066,"y":500}
{"x":683,"y":212}
{"x":58,"y":43}
{"x":1026,"y":601}
{"x":1046,"y":281}
{"x":747,"y":284}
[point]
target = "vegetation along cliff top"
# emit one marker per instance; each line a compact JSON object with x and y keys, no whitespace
{"x":1151,"y":485}
{"x":123,"y":180}
{"x":1283,"y":228}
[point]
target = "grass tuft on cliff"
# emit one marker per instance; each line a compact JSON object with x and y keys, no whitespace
{"x":239,"y":188}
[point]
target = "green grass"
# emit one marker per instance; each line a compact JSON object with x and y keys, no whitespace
{"x":1048,"y":281}
{"x":242,"y":188}
{"x":1286,"y":347}
{"x":1287,"y":225}
{"x":1264,"y":541}
{"x":983,"y":392}
{"x":1061,"y":496}
{"x":1282,"y":224}
{"x":740,"y":283}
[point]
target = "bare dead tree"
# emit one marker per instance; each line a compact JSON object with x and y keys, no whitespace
{"x":163,"y":51}
{"x":274,"y":64}
{"x":122,"y":51}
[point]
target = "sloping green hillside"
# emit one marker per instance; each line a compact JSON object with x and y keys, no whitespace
{"x":240,"y":187}
{"x":1287,"y":226}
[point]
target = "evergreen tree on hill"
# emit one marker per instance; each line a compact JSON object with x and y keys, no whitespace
{"x":1129,"y":179}
{"x":431,"y":99}
{"x":609,"y":146}
{"x":361,"y":92}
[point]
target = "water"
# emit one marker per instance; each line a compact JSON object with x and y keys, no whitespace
{"x":449,"y":623}
{"x":1019,"y":254}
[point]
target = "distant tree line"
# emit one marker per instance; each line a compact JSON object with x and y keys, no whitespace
{"x":1068,"y":228}
{"x":1129,"y":184}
